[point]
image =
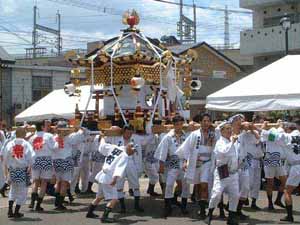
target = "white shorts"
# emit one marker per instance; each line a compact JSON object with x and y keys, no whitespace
{"x":41,"y":174}
{"x":203,"y":173}
{"x":107,"y":191}
{"x":271,"y":172}
{"x":64,"y":176}
{"x":294,"y":176}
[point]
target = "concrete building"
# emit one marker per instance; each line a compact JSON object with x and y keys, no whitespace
{"x":25,"y":81}
{"x":266,"y":41}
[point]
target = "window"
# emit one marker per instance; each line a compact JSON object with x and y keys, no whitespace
{"x":41,"y":86}
{"x":219,"y":74}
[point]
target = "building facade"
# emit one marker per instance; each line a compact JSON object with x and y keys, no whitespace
{"x":213,"y":68}
{"x":25,"y":81}
{"x":266,"y":41}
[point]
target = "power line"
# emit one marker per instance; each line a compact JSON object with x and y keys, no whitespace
{"x":15,"y":34}
{"x":205,"y":7}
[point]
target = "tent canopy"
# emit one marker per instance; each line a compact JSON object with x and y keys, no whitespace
{"x":58,"y":104}
{"x":275,"y":87}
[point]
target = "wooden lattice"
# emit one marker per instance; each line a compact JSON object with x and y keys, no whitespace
{"x":123,"y":74}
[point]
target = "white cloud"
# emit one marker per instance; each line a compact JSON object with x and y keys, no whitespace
{"x":8,"y":7}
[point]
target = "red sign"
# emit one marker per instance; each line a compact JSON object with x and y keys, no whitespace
{"x":18,"y":152}
{"x":38,"y":143}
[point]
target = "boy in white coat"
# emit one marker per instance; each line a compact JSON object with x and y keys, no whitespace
{"x":113,"y":169}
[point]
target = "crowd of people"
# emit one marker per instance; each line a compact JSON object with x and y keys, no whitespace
{"x":209,"y":165}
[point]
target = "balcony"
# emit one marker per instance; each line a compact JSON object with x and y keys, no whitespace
{"x":269,"y":40}
{"x":253,"y":4}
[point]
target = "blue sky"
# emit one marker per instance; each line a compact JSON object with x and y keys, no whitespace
{"x":81,"y":25}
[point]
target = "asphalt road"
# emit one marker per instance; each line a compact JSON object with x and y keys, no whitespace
{"x":75,"y":215}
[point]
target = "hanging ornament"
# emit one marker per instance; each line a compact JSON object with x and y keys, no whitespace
{"x":137,"y":82}
{"x":131,"y":18}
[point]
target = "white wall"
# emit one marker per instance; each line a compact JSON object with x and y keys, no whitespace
{"x":22,"y":83}
{"x":269,"y":40}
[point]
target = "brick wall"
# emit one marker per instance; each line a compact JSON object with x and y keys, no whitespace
{"x":208,"y":62}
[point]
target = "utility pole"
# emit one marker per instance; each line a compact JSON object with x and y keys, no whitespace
{"x":195,"y":22}
{"x":34,"y":33}
{"x":226,"y":29}
{"x":59,"y":40}
{"x":186,"y":27}
{"x":180,"y":20}
{"x":37,"y":50}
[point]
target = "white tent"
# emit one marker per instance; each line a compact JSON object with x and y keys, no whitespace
{"x":58,"y":104}
{"x":275,"y":87}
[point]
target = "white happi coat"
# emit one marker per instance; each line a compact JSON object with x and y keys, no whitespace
{"x":225,"y":153}
{"x":150,"y":145}
{"x":97,"y":156}
{"x":63,"y":149}
{"x":194,"y":152}
{"x":293,"y":157}
{"x":18,"y":153}
{"x":115,"y":162}
{"x":253,"y":151}
{"x":17,"y":156}
{"x":42,"y":143}
{"x":135,"y":162}
{"x":166,"y":150}
{"x":151,"y":163}
{"x":97,"y":159}
{"x":275,"y":147}
{"x":251,"y":147}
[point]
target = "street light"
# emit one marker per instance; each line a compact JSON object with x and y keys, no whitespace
{"x":286,"y":24}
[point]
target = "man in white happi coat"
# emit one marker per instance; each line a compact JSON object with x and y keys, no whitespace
{"x":3,"y":184}
{"x":274,"y":163}
{"x":244,"y":182}
{"x":134,"y":167}
{"x":62,"y":160}
{"x":171,"y":164}
{"x":113,"y":169}
{"x":17,"y":158}
{"x":293,"y":158}
{"x":196,"y":150}
{"x":97,"y":160}
{"x":42,"y":168}
{"x":86,"y":148}
{"x":74,"y":185}
{"x":226,"y":178}
{"x":252,"y":146}
{"x":151,"y":163}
